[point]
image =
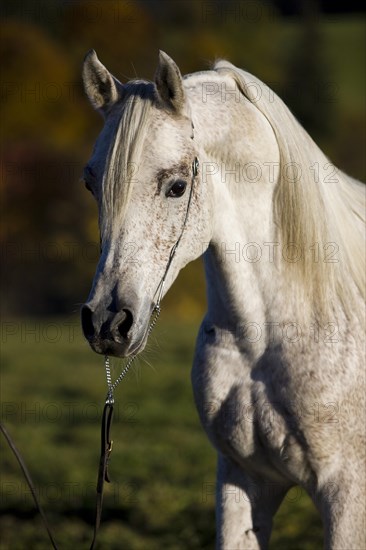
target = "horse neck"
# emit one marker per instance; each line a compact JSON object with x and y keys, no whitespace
{"x":241,"y":278}
{"x":233,"y":132}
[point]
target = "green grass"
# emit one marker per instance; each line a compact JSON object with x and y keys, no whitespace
{"x":161,"y":465}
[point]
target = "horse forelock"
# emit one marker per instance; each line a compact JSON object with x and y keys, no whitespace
{"x":133,"y":116}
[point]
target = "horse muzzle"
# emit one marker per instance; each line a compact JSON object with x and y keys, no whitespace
{"x":115,"y":334}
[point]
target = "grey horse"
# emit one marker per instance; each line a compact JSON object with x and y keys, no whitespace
{"x":279,"y":373}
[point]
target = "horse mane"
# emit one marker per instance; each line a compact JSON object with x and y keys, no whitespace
{"x":126,"y":148}
{"x":312,"y":211}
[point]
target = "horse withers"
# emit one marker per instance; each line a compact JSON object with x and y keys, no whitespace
{"x":278,"y":374}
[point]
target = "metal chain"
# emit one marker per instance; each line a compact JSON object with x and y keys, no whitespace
{"x":108,"y":371}
{"x":112,"y":385}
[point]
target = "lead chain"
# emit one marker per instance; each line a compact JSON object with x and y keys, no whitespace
{"x":112,"y":385}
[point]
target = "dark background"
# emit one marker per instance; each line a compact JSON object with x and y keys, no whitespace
{"x":311,"y":53}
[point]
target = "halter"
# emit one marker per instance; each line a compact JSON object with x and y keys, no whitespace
{"x":106,"y":442}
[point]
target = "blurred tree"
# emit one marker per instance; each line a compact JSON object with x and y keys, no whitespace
{"x":40,"y":98}
{"x":49,"y":234}
{"x":45,"y":242}
{"x":309,"y":89}
{"x":42,"y":140}
{"x":122,"y":32}
{"x":350,"y":144}
{"x":245,"y":33}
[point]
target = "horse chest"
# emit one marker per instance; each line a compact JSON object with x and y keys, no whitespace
{"x":238,"y":417}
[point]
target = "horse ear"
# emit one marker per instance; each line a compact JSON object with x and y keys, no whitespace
{"x":102,"y":89}
{"x":169,"y":83}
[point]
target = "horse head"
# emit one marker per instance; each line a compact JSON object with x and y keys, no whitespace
{"x":143,"y":175}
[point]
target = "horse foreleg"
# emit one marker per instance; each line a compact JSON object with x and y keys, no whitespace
{"x":244,"y":507}
{"x":343,"y":509}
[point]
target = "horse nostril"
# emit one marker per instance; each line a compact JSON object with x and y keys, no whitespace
{"x":124,"y":326}
{"x":87,"y":322}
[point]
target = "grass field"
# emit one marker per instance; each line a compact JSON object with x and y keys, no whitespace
{"x":162,"y":466}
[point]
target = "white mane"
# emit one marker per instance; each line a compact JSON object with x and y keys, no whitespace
{"x":312,"y":210}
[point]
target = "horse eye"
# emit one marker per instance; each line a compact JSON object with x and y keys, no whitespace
{"x":177,"y":189}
